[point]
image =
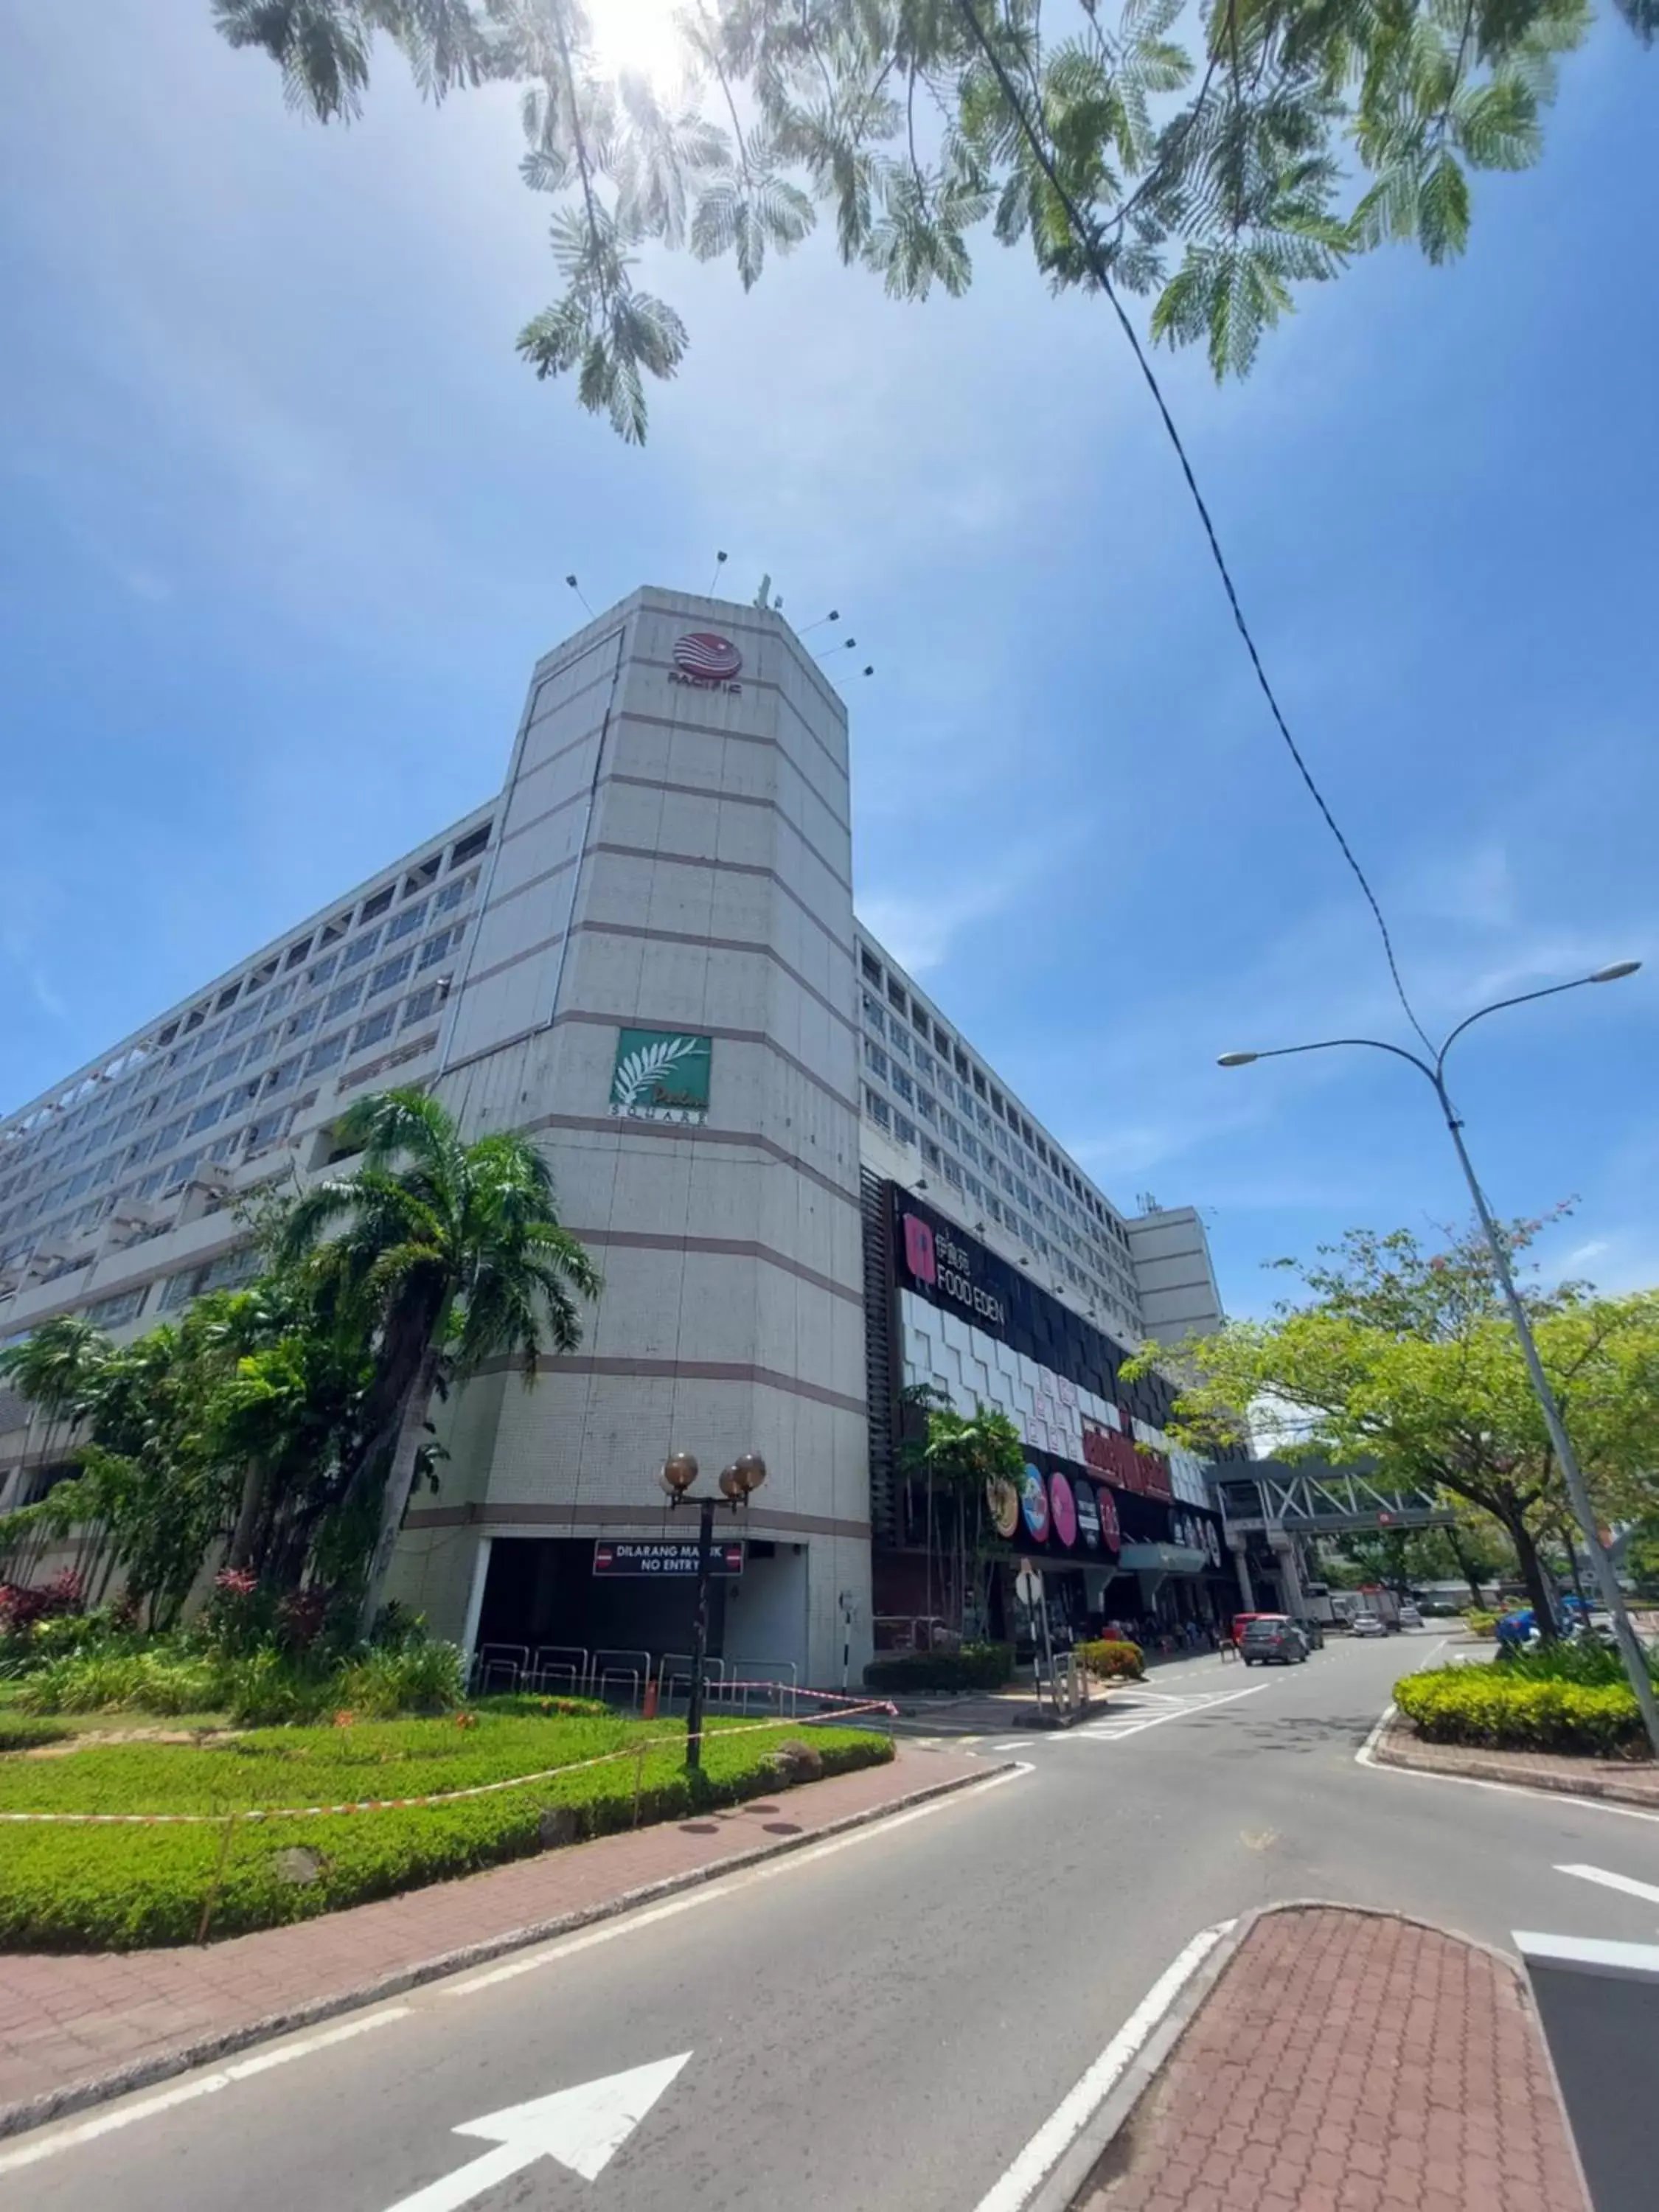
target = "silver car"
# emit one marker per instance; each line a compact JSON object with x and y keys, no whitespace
{"x":1369,"y":1624}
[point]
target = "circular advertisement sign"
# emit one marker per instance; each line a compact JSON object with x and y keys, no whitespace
{"x":1003,"y":1500}
{"x":1064,"y":1510}
{"x":1108,"y":1528}
{"x":1033,"y":1502}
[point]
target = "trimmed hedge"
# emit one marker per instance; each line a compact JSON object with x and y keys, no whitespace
{"x":974,"y":1666}
{"x":73,"y":1888}
{"x":1113,"y":1659}
{"x":1496,"y":1710}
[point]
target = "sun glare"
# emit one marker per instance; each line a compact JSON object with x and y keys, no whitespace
{"x":637,"y":34}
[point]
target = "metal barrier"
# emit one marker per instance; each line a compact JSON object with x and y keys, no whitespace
{"x":559,"y":1664}
{"x":608,"y":1670}
{"x":494,"y":1662}
{"x":674,"y":1679}
{"x":780,"y":1677}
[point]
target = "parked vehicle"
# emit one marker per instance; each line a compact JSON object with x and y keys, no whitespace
{"x":1313,"y":1632}
{"x":1369,"y":1624}
{"x":1410,"y":1616}
{"x":1273,"y":1636}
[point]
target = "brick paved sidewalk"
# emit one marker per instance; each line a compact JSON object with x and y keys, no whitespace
{"x":1350,"y":2062}
{"x":75,"y":2027}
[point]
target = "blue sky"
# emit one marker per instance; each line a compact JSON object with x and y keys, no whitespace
{"x":284,"y":523}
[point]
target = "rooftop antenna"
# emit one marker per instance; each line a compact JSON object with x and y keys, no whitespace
{"x":764,"y":597}
{"x":719,"y":562}
{"x":581,"y":594}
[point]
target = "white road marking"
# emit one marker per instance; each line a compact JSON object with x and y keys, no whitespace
{"x":1644,"y":1889}
{"x":1118,"y":1731}
{"x":1637,"y":1962}
{"x":1020,"y":1743}
{"x":565,"y":1947}
{"x":70,"y":2136}
{"x":1068,"y":2121}
{"x":582,"y":2127}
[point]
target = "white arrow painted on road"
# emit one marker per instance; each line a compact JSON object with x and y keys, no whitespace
{"x":1643,"y":1889}
{"x":582,"y":2128}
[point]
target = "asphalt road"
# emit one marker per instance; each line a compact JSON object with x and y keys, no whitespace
{"x":886,"y":2020}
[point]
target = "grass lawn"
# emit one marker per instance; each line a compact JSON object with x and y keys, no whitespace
{"x":74,"y":1886}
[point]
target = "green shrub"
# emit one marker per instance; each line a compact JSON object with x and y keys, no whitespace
{"x":974,"y":1666}
{"x":404,"y":1678}
{"x":1498,"y":1709}
{"x":1113,"y":1659}
{"x":156,"y":1680}
{"x":71,"y":1888}
{"x":1560,"y":1661}
{"x":1480,"y":1622}
{"x":268,"y":1689}
{"x":17,"y":1733}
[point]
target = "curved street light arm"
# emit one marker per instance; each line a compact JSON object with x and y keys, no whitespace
{"x":1524,"y":998}
{"x":1332,"y":1044}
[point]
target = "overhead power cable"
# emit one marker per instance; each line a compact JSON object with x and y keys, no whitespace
{"x":1088,"y":238}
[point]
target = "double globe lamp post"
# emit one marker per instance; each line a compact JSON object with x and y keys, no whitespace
{"x":737,"y":1483}
{"x":1435,"y":1072}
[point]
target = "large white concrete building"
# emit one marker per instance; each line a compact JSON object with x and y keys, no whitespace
{"x":643,"y":951}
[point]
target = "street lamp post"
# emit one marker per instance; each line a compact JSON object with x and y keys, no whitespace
{"x":1606,"y":1582}
{"x":737,"y":1481}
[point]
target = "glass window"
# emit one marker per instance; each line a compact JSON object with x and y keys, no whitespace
{"x":870,"y":965}
{"x":281,"y":1078}
{"x":360,"y":949}
{"x":436,"y":948}
{"x":455,"y":893}
{"x":111,"y":1313}
{"x":320,"y":971}
{"x":390,"y":972}
{"x":376,"y":1027}
{"x":974,"y":1189}
{"x":896,"y":994}
{"x":904,"y":1129}
{"x":873,"y":1015}
{"x":903,"y":1085}
{"x":267,"y":1130}
{"x":878,"y":1108}
{"x":261,"y":1045}
{"x":875,"y":1059}
{"x":421,"y":1003}
{"x":927,"y":1106}
{"x":930,"y":1152}
{"x":178,"y":1172}
{"x":280,"y":996}
{"x":206,"y":1115}
{"x":406,"y":921}
{"x":301,"y":1023}
{"x":342,"y":999}
{"x":949,"y":1130}
{"x":378,"y":903}
{"x":325,"y":1053}
{"x":227,"y":1064}
{"x":189,"y":1086}
{"x":952,"y":1173}
{"x":469,"y":847}
{"x":900,"y":1040}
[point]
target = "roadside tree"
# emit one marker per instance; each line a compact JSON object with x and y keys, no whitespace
{"x":1407,"y":1359}
{"x":1214,"y":177}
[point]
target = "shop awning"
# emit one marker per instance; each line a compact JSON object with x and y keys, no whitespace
{"x":1162,"y":1559}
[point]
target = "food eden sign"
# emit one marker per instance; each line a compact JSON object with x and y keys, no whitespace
{"x":934,"y":1256}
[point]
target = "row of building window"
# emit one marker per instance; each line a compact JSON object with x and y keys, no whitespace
{"x":264,"y":991}
{"x":268,"y":1126}
{"x":903,"y":1002}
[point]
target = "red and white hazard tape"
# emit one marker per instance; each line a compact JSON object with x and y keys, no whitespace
{"x":440,"y":1796}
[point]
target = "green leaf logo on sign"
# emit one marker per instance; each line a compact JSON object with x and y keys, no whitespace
{"x":660,"y":1075}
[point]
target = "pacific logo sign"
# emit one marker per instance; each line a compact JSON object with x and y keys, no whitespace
{"x":706,"y":661}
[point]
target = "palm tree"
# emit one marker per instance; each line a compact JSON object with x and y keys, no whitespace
{"x":449,"y":1253}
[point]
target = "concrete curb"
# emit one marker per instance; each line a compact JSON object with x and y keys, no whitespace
{"x":1078,"y":2165}
{"x":1391,"y":1746}
{"x":163,"y":2065}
